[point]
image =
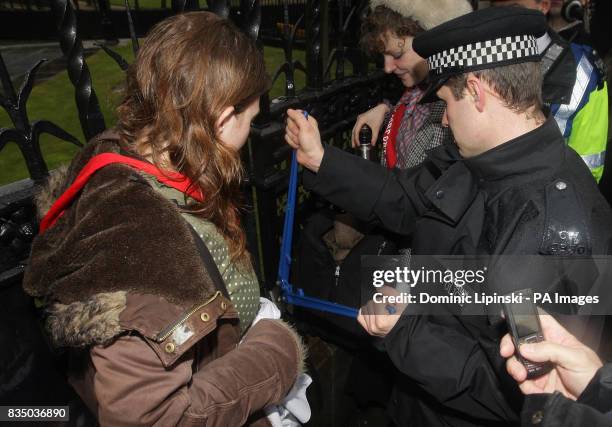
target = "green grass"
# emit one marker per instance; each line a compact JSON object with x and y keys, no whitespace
{"x":142,"y":4}
{"x":54,"y":100}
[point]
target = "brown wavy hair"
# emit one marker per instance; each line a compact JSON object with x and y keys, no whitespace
{"x":380,"y":20}
{"x":189,"y":69}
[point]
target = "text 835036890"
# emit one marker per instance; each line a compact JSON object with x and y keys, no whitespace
{"x":34,"y":413}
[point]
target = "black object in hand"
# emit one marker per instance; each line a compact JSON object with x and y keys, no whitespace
{"x":524,"y":325}
{"x":365,"y":138}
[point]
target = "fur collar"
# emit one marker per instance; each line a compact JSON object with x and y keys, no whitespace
{"x":82,"y":323}
{"x":119,"y":237}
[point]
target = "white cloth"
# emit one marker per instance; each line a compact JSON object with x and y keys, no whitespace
{"x":267,"y":310}
{"x":294,"y":408}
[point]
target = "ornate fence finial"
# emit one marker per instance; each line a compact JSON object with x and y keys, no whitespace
{"x":24,"y":134}
{"x":90,"y":115}
{"x":290,"y":65}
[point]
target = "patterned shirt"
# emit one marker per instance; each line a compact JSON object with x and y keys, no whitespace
{"x":419,"y":133}
{"x":241,"y":281}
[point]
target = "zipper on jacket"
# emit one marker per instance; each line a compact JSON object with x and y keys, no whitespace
{"x":165,"y":333}
{"x":337,"y":275}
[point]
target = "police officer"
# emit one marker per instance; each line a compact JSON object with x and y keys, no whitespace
{"x":509,"y":186}
{"x":574,"y":90}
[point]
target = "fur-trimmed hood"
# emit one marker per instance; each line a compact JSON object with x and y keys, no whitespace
{"x":428,"y":13}
{"x":118,"y":238}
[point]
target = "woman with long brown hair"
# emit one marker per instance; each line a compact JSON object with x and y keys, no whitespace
{"x":141,"y":260}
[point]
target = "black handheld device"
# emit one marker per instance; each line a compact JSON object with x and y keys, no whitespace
{"x":524,"y":326}
{"x":365,"y":137}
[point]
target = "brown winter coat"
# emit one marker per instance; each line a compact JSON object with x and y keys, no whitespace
{"x":153,"y":338}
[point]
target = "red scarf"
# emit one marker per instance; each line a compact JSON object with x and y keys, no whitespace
{"x":415,"y":116}
{"x":171,"y":179}
{"x":390,"y":135}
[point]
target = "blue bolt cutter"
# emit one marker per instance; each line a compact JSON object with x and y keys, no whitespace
{"x":289,"y":295}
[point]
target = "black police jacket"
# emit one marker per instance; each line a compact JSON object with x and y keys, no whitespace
{"x":593,"y":407}
{"x":524,"y":197}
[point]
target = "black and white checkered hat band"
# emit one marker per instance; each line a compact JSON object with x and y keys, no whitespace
{"x":504,"y":49}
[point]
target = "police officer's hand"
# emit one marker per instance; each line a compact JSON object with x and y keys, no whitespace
{"x":303,"y":135}
{"x":374,"y":118}
{"x":378,"y":318}
{"x":574,"y":363}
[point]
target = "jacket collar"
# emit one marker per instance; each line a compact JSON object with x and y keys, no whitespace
{"x":455,"y":188}
{"x":532,"y":154}
{"x":522,"y":159}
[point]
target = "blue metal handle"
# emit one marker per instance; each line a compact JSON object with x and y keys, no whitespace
{"x":297,"y":297}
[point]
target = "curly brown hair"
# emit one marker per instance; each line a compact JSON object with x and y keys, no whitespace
{"x":190,"y":67}
{"x":382,"y":20}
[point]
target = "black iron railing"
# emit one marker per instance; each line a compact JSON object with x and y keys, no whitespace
{"x":332,"y":94}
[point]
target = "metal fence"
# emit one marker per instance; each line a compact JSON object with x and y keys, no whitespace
{"x":106,"y":19}
{"x":137,"y":4}
{"x":331,"y":95}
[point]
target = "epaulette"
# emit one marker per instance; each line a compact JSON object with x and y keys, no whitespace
{"x":565,"y":229}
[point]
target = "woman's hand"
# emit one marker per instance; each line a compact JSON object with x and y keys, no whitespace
{"x":574,"y":363}
{"x":373,"y":118}
{"x":303,"y":134}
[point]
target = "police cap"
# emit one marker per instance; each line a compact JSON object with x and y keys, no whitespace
{"x":487,"y":38}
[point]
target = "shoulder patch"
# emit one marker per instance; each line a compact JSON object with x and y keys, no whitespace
{"x":565,"y":229}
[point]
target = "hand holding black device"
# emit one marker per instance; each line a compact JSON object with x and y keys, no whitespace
{"x":524,"y":326}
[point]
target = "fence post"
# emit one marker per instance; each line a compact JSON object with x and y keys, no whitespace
{"x":90,"y":115}
{"x":317,"y":31}
{"x":251,"y":17}
{"x":108,"y":30}
{"x":180,"y":6}
{"x":192,"y":5}
{"x":219,"y":7}
{"x":362,"y":13}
